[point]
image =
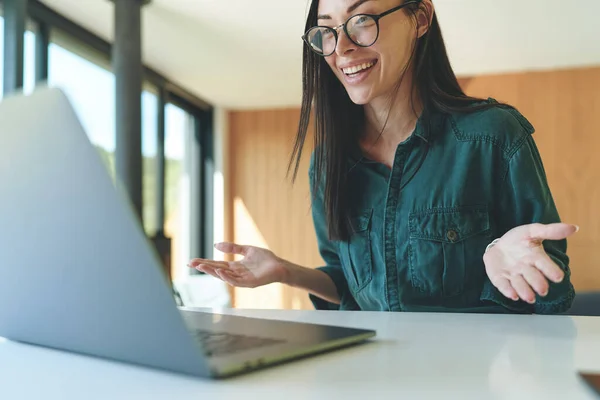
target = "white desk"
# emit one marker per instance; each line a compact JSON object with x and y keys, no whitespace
{"x":415,"y":356}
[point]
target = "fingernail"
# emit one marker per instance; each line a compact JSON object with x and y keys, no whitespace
{"x":576,"y":228}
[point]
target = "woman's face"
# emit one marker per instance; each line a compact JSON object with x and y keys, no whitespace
{"x":369,"y":72}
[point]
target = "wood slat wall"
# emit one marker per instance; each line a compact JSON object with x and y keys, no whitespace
{"x":267,"y":211}
{"x":564,"y":107}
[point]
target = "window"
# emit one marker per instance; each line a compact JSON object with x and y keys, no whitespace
{"x":179,"y":128}
{"x":1,"y":57}
{"x":149,"y":172}
{"x":90,"y":89}
{"x":29,"y":60}
{"x":79,"y":64}
{"x":29,"y":66}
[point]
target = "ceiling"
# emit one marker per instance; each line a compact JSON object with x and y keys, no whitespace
{"x":244,"y":54}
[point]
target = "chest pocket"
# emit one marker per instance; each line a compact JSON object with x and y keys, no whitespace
{"x":356,"y":254}
{"x":446,"y":248}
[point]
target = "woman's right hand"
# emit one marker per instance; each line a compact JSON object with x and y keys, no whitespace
{"x":258,"y":267}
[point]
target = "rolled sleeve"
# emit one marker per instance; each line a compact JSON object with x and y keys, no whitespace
{"x":527,"y":199}
{"x":346,"y":300}
{"x":328,"y":251}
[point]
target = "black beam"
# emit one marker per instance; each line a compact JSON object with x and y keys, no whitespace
{"x":14,"y":41}
{"x":42,"y":40}
{"x":196,"y":207}
{"x":127,"y":67}
{"x":207,"y":183}
{"x":162,"y":243}
{"x":203,"y":169}
{"x":160,"y":163}
{"x":41,"y":13}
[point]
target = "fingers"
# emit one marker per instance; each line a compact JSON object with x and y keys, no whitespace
{"x":528,"y":281}
{"x":226,"y":275}
{"x":522,"y":286}
{"x":523,"y":289}
{"x":214,"y":271}
{"x":505,"y":288}
{"x":215,"y":264}
{"x":536,"y":280}
{"x":227,"y":247}
{"x":552,"y":231}
{"x":230,"y":278}
{"x":208,"y":270}
{"x":544,"y":263}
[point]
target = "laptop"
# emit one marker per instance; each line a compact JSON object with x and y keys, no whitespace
{"x":77,"y":272}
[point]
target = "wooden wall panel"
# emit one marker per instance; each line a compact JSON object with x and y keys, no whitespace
{"x":267,"y":211}
{"x":564,"y":107}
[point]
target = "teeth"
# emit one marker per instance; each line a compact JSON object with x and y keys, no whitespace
{"x":357,"y":68}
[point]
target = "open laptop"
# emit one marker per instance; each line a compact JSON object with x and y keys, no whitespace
{"x":77,"y":272}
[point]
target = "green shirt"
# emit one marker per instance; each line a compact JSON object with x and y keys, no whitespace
{"x":420,"y":229}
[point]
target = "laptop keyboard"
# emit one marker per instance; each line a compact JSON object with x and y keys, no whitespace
{"x":223,"y":343}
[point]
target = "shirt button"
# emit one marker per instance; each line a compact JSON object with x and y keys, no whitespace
{"x":452,"y":235}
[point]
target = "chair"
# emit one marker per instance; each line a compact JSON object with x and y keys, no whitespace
{"x":585,"y":304}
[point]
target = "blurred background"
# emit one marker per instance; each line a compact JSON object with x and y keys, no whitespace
{"x":221,"y":87}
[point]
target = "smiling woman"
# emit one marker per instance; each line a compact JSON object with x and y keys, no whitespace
{"x":423,"y":198}
{"x":361,"y":30}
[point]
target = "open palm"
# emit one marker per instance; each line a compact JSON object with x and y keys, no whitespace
{"x":519,"y":266}
{"x":258,"y":266}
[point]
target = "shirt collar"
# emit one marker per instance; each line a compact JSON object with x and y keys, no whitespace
{"x":429,"y":123}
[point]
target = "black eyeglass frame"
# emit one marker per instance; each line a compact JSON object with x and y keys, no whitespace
{"x":375,"y":17}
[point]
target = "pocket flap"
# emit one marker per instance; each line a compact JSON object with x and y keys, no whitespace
{"x":360,"y":221}
{"x":449,"y":224}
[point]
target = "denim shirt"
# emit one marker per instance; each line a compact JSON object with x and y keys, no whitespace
{"x":420,"y":229}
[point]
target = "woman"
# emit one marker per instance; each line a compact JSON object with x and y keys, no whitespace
{"x":412,"y":180}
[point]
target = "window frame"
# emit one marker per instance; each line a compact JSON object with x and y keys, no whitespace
{"x":52,"y":27}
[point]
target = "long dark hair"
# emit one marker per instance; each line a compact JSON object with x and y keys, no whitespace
{"x":338,"y":122}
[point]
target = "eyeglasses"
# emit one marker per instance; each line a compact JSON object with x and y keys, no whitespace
{"x":361,"y":29}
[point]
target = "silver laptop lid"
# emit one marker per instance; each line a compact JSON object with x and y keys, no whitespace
{"x":76,"y":269}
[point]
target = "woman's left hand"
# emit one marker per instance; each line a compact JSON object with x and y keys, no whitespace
{"x":518,"y":265}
